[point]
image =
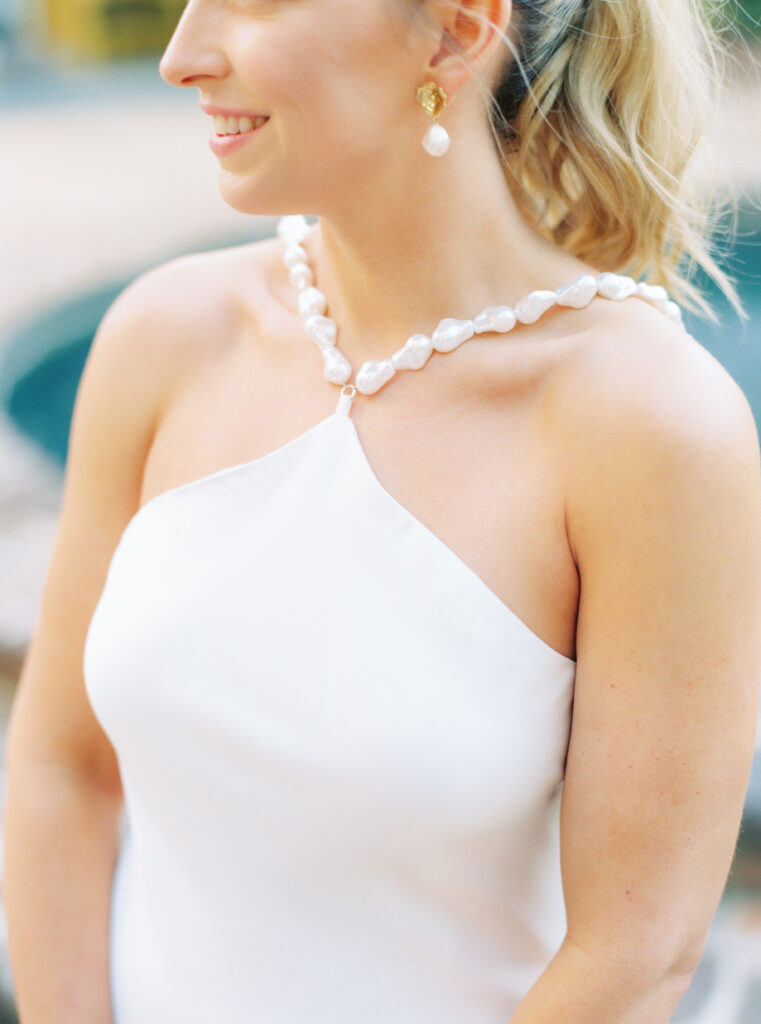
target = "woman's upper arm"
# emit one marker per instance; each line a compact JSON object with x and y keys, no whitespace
{"x":664,"y":519}
{"x":120,"y":391}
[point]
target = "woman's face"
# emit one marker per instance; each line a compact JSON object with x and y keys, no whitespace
{"x":338,"y":80}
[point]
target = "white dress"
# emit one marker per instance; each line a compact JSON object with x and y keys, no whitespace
{"x":342,"y":757}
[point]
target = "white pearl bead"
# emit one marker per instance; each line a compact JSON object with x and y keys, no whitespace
{"x":495,"y":318}
{"x":534,"y":305}
{"x":301,"y":275}
{"x":654,"y":293}
{"x":577,"y":293}
{"x":657,"y":296}
{"x":373,"y":374}
{"x":414,"y":353}
{"x":312,"y":300}
{"x":616,"y":286}
{"x":674,"y":313}
{"x":450,"y":333}
{"x":436,"y":140}
{"x":294,"y":253}
{"x":294,"y":227}
{"x":337,"y":368}
{"x":321,"y":329}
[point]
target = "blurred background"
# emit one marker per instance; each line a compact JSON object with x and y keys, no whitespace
{"x":105,"y":171}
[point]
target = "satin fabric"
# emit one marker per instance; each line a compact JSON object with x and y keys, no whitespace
{"x":342,"y":757}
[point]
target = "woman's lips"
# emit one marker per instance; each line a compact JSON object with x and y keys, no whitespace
{"x":224,"y":144}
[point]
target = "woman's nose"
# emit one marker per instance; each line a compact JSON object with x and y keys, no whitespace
{"x":192,"y":52}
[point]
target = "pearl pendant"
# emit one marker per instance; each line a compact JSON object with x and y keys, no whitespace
{"x":436,"y":140}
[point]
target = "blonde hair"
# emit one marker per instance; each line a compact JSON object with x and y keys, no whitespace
{"x":596,"y":118}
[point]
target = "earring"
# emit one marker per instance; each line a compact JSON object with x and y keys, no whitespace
{"x":433,"y":99}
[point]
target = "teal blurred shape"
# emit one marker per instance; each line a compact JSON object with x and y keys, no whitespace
{"x":748,"y":15}
{"x":736,"y":343}
{"x":42,"y":364}
{"x":42,"y":358}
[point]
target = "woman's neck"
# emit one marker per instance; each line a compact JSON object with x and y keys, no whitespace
{"x":393,"y":273}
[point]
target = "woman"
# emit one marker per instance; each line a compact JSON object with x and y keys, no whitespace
{"x":429,"y":696}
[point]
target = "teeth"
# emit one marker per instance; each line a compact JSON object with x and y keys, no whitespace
{"x":235,"y":125}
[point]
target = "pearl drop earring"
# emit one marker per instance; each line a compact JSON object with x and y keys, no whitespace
{"x":433,"y":99}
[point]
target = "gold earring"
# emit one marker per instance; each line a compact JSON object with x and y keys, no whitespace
{"x":433,"y":99}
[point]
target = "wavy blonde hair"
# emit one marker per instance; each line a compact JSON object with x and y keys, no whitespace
{"x":596,"y":115}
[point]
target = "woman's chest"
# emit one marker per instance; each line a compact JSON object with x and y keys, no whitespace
{"x":289,"y":615}
{"x":482,"y":474}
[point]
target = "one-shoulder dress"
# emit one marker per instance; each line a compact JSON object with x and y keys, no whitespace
{"x":342,"y":757}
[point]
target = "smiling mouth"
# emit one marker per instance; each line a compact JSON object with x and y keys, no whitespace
{"x":236,"y":125}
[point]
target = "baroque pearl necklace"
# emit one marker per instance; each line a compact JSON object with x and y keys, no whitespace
{"x":450,"y":332}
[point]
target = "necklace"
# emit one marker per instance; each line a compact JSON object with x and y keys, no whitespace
{"x":450,"y":332}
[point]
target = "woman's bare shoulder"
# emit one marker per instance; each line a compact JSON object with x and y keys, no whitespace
{"x":193,"y":307}
{"x":636,"y":398}
{"x":663,"y":515}
{"x":198,"y":291}
{"x":630,"y":364}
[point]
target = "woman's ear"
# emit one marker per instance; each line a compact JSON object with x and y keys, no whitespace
{"x":449,"y":46}
{"x":468,"y":29}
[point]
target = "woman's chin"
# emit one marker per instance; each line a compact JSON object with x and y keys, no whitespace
{"x":248,"y":201}
{"x":252,"y":199}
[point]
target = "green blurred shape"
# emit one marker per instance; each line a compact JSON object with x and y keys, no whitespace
{"x":742,"y":14}
{"x":112,"y":28}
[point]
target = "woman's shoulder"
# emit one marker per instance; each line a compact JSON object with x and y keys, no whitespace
{"x":639,"y":410}
{"x":218,"y":285}
{"x":632,"y":366}
{"x":195,"y":306}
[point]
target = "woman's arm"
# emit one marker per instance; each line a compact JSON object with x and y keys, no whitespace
{"x":61,"y":826}
{"x":664,"y":519}
{"x":61,"y":844}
